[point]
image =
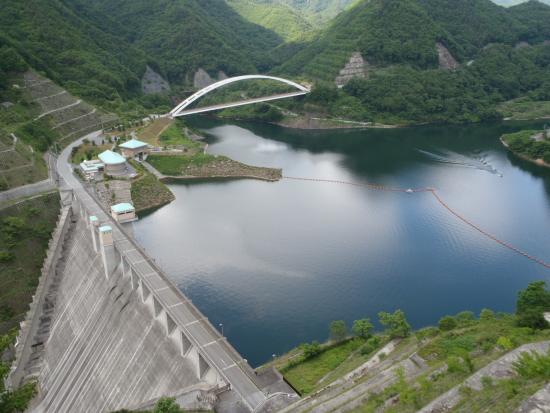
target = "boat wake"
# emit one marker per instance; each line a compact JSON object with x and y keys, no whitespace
{"x":457,"y":159}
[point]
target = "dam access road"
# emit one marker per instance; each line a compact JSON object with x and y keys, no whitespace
{"x":110,"y":330}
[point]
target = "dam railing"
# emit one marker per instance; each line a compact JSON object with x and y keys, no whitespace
{"x":216,"y":361}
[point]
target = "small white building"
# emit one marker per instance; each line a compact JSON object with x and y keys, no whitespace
{"x":123,"y":212}
{"x":91,"y":169}
{"x":115,"y":164}
{"x":134,"y":149}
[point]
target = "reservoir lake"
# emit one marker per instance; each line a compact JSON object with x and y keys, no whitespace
{"x":275,"y":263}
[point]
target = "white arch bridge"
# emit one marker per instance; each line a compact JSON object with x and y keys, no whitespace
{"x":181,"y":109}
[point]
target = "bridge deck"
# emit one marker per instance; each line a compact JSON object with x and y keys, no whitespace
{"x":221,"y":106}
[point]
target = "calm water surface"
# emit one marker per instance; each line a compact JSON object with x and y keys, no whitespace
{"x":276,"y":262}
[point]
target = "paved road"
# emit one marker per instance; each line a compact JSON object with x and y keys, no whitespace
{"x":26,"y":191}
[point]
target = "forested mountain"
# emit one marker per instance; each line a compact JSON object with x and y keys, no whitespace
{"x":428,"y":60}
{"x":54,"y":39}
{"x":508,"y":3}
{"x":385,"y":32}
{"x":184,"y":35}
{"x":99,"y":50}
{"x":388,"y":32}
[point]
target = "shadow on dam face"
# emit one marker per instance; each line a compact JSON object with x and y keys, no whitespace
{"x":109,"y":331}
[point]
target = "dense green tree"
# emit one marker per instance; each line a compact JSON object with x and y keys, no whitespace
{"x":362,"y":328}
{"x":310,"y":349}
{"x":447,"y":323}
{"x":11,"y":61}
{"x":486,"y":315}
{"x":396,"y":324}
{"x":338,"y":330}
{"x":531,"y":304}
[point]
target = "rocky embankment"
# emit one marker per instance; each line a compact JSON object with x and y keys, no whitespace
{"x":223,"y":167}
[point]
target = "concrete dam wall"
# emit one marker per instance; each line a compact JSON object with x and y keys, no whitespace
{"x":109,"y":331}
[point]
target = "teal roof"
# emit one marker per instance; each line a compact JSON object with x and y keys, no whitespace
{"x":111,"y":158}
{"x":122,"y":208}
{"x":133,"y":144}
{"x":93,"y":218}
{"x":105,"y":228}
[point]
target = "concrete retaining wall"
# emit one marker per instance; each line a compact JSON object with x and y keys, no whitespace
{"x":31,"y":323}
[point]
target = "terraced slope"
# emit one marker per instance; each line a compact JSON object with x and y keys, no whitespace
{"x":68,"y":116}
{"x":19,"y":164}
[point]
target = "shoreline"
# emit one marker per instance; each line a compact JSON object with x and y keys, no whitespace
{"x":538,"y":162}
{"x":168,"y":178}
{"x":317,"y":123}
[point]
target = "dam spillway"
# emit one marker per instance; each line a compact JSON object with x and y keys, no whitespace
{"x":108,"y":330}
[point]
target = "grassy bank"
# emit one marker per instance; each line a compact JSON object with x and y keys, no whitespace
{"x":87,"y":151}
{"x":170,"y":133}
{"x":460,"y":346}
{"x":203,"y":165}
{"x":25,"y":231}
{"x":305,"y":373}
{"x":524,"y":144}
{"x":148,"y":192}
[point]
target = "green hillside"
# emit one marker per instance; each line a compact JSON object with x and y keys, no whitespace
{"x":385,"y":32}
{"x":477,"y":24}
{"x":70,"y":50}
{"x":317,"y":10}
{"x":182,"y":35}
{"x":508,"y":3}
{"x":287,"y":22}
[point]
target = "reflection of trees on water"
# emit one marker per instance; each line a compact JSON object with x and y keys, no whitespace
{"x":374,"y":153}
{"x":537,"y":171}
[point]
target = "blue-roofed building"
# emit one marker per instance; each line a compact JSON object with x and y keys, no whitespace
{"x":115,"y":164}
{"x":123,"y":212}
{"x":134,"y":149}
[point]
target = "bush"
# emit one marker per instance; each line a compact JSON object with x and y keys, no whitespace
{"x":447,"y":323}
{"x":396,"y":324}
{"x":465,"y":317}
{"x":311,"y":350}
{"x":338,"y":330}
{"x":372,"y":344}
{"x":38,"y":134}
{"x":6,"y":256}
{"x":533,"y":365}
{"x":486,"y":315}
{"x":505,"y":343}
{"x":13,"y":225}
{"x":167,"y":405}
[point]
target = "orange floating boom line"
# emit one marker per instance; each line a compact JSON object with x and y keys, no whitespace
{"x":439,"y":200}
{"x":369,"y":185}
{"x":488,"y":235}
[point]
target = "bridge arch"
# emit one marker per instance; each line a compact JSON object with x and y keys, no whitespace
{"x":179,"y":110}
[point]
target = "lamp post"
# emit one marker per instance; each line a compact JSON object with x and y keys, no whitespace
{"x":221,"y":327}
